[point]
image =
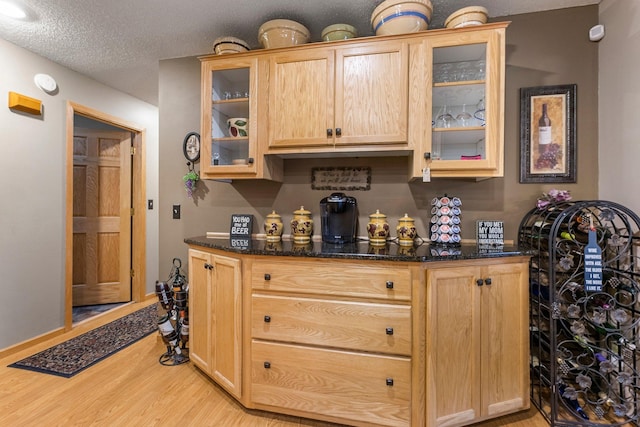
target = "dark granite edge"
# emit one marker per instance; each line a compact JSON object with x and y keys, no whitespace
{"x":360,"y":250}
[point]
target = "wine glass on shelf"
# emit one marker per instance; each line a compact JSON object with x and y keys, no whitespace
{"x":445,"y":119}
{"x":463,"y":118}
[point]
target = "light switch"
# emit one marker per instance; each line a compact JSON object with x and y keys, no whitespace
{"x":176,"y":211}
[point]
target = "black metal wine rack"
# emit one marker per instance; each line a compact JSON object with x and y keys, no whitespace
{"x":584,"y":342}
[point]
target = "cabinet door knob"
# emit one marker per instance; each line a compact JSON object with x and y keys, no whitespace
{"x":267,"y":319}
{"x":267,"y":365}
{"x":389,"y":284}
{"x":390,"y":382}
{"x":479,"y":282}
{"x":208,"y":266}
{"x":338,"y":131}
{"x":329,"y":133}
{"x":250,"y":160}
{"x":487,"y":281}
{"x":267,"y":276}
{"x":389,"y":331}
{"x":427,"y":155}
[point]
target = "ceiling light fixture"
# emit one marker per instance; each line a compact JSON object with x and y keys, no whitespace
{"x":12,"y":10}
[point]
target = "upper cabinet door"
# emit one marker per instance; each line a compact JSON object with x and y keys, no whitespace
{"x":229,"y":92}
{"x":301,"y":85}
{"x":462,"y":128}
{"x":371,"y":93}
{"x":327,"y":97}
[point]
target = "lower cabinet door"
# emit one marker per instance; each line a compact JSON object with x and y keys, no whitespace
{"x":355,"y":386}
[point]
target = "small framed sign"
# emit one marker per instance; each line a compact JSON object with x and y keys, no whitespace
{"x":241,"y":225}
{"x":490,"y":233}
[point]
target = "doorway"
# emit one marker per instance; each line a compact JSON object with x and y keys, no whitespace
{"x":105,"y":220}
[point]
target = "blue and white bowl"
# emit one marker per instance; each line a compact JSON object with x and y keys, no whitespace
{"x":401,"y":16}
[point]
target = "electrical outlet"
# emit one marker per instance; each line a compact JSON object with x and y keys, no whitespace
{"x":150,"y":204}
{"x":176,"y":211}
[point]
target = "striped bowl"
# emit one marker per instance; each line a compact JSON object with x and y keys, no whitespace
{"x":401,"y":16}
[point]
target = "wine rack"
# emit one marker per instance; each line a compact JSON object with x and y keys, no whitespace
{"x":584,"y":312}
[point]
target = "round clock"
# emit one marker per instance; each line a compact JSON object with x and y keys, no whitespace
{"x":191,"y":146}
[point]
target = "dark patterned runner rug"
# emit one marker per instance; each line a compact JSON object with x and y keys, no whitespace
{"x":70,"y":357}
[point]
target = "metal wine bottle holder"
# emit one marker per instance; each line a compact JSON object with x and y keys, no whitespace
{"x":584,"y":312}
{"x":173,"y":326}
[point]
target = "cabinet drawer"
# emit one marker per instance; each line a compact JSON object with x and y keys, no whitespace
{"x":383,"y":328}
{"x":343,"y":384}
{"x":332,"y":278}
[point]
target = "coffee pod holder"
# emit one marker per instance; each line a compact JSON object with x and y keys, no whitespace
{"x":444,"y":227}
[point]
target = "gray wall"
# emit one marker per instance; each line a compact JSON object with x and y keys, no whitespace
{"x":547,"y":48}
{"x":32,"y":190}
{"x":619,"y":104}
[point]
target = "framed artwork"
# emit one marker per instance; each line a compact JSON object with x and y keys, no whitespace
{"x":548,"y":134}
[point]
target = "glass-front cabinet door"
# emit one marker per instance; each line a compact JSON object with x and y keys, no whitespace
{"x":229,"y":118}
{"x":466,"y":104}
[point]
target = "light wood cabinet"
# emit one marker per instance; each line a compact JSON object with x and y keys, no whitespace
{"x":339,"y":96}
{"x":461,"y":117}
{"x":360,"y":97}
{"x":362,"y":342}
{"x":215,"y":318}
{"x":329,"y":341}
{"x":477,"y":341}
{"x":231,"y":89}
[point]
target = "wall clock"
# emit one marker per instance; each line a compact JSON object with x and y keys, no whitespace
{"x":191,"y":146}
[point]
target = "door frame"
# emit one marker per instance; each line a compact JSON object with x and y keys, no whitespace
{"x":138,"y":193}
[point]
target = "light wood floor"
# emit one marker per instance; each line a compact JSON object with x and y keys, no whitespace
{"x":131,"y":388}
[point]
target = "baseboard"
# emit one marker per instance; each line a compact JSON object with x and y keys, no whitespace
{"x":30,"y":342}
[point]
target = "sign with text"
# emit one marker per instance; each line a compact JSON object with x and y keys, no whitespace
{"x":592,"y":264}
{"x":337,"y":178}
{"x":241,"y":225}
{"x":490,"y":233}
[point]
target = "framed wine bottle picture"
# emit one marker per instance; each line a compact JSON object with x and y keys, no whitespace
{"x":548,"y":134}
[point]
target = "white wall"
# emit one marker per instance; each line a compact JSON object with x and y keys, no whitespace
{"x":619,"y":103}
{"x":32,"y":189}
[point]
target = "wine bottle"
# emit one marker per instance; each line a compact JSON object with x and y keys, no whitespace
{"x":544,"y":131}
{"x":572,"y":403}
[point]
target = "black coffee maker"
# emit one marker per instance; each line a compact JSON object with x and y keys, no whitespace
{"x":339,"y":218}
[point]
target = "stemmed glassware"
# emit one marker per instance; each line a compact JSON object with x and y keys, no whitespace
{"x":464,"y":118}
{"x":445,"y":119}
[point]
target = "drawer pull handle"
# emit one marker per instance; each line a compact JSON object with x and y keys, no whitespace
{"x":329,"y":133}
{"x":390,"y":382}
{"x":338,"y":132}
{"x":389,"y":331}
{"x":267,"y":319}
{"x":479,"y":282}
{"x":389,"y":284}
{"x":487,"y":281}
{"x":267,"y":365}
{"x":267,"y":276}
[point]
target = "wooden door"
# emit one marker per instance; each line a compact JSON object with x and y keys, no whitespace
{"x":371,"y":96}
{"x":453,"y":346}
{"x":226,"y":324}
{"x":200,"y":313}
{"x":505,"y":339}
{"x":301,"y":98}
{"x":101,"y":217}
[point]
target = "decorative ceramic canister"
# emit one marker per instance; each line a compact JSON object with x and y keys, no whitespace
{"x":406,"y":231}
{"x":378,"y":229}
{"x":273,"y":227}
{"x":301,"y":225}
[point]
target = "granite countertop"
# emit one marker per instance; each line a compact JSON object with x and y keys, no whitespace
{"x":358,"y":250}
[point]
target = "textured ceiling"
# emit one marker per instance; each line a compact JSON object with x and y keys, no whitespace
{"x":119,"y":42}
